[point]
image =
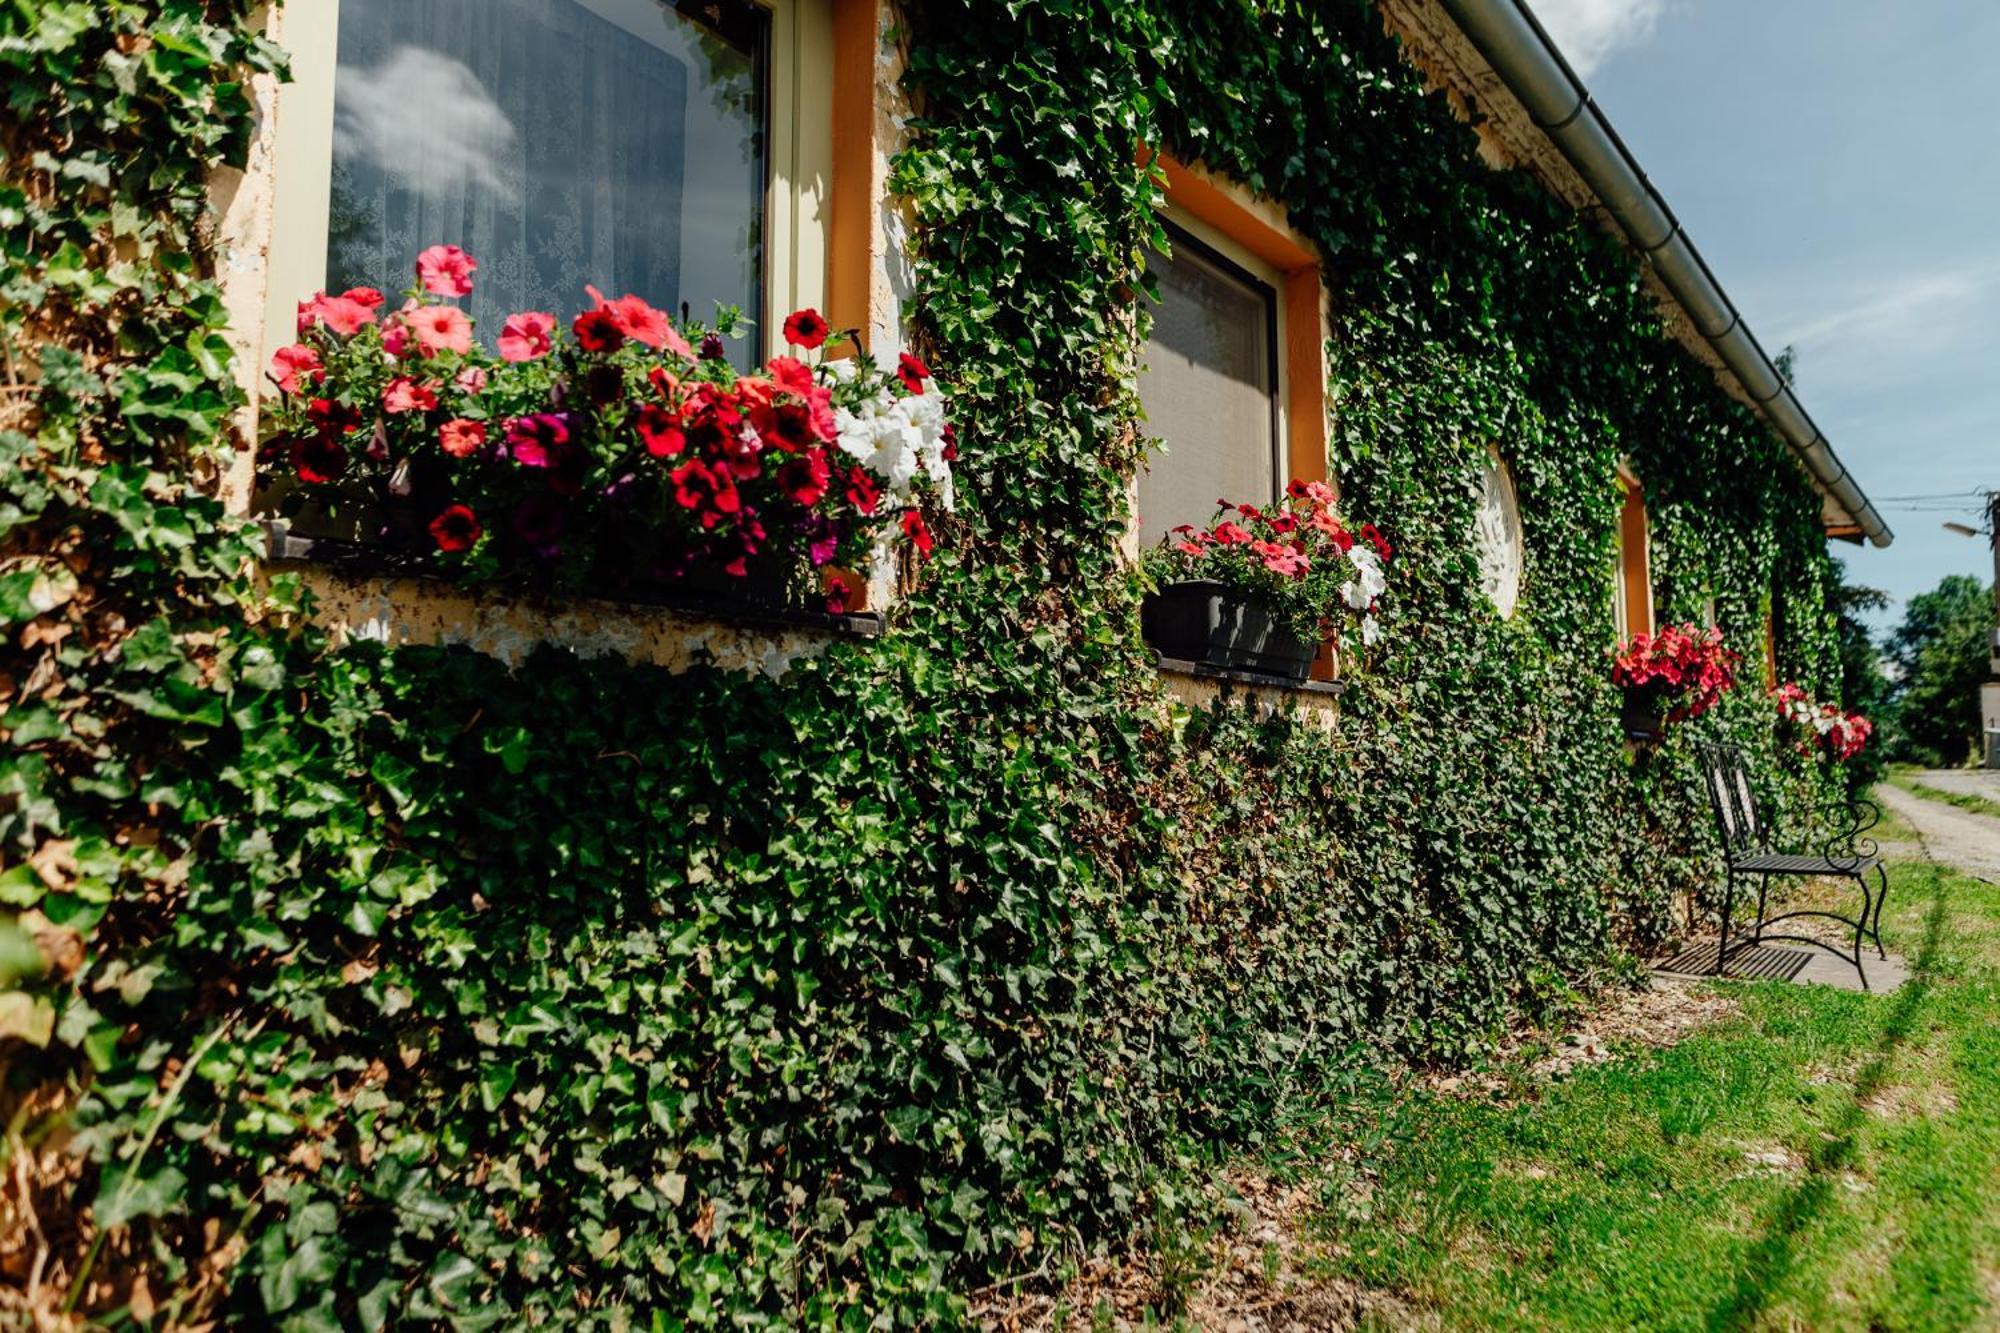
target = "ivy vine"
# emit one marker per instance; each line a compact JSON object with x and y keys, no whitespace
{"x":354,"y":987}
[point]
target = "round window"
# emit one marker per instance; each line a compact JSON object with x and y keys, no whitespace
{"x":1501,"y":550}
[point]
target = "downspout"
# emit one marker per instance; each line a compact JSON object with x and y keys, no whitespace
{"x":1521,"y":53}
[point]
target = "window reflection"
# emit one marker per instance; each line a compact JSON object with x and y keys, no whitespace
{"x":619,"y":143}
{"x":1209,"y":390}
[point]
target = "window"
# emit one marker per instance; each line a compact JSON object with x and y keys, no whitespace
{"x":1502,"y":551}
{"x":1234,"y":376}
{"x":1210,"y":387}
{"x":1632,"y":601}
{"x":676,"y":150}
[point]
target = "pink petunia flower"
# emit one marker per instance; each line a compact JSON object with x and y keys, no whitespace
{"x":471,"y":380}
{"x":526,"y":336}
{"x":439,"y":328}
{"x":406,"y":395}
{"x":289,"y":363}
{"x":342,"y":314}
{"x":446,"y":270}
{"x":461,"y":437}
{"x":642,"y":323}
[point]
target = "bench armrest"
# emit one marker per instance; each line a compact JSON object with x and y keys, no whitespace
{"x":1849,"y":823}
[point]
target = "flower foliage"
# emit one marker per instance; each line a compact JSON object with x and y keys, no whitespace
{"x":1295,"y":556}
{"x":614,"y":456}
{"x":1684,"y":667}
{"x":1820,"y":728}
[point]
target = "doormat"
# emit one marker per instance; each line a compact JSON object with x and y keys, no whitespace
{"x":1758,"y":962}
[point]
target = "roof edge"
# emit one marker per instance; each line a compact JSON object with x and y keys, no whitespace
{"x":1512,"y":40}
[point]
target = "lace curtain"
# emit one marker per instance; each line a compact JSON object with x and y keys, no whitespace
{"x":560,"y":142}
{"x":1207,"y":387}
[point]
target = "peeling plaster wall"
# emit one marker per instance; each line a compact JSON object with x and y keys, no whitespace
{"x":1203,"y":692}
{"x":510,"y":628}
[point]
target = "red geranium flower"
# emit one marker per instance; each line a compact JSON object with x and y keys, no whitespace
{"x":462,"y":438}
{"x":912,"y":372}
{"x":806,"y":328}
{"x":456,"y":529}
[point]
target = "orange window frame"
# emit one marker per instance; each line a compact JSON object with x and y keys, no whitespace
{"x":1635,"y":572}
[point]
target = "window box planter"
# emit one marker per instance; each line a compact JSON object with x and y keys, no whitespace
{"x":1210,"y":623}
{"x":735,"y":604}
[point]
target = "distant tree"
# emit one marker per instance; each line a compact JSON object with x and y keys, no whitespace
{"x":1940,"y":652}
{"x":1865,"y":688}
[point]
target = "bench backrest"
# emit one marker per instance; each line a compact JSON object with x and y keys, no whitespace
{"x":1729,"y":795}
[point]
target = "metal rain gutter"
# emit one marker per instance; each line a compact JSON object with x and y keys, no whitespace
{"x":1520,"y":51}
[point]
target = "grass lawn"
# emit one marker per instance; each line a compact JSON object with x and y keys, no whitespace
{"x":1911,"y":780}
{"x":1824,"y":1160}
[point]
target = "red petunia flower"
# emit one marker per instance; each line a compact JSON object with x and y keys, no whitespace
{"x":862,"y":492}
{"x":660,"y":431}
{"x":318,"y":459}
{"x":462,"y":438}
{"x":446,"y":270}
{"x":912,"y":372}
{"x":806,"y":328}
{"x":597,"y":331}
{"x":914,"y":529}
{"x":456,"y":529}
{"x":1229,"y":534}
{"x":526,"y":335}
{"x":1377,"y":540}
{"x":791,"y":374}
{"x":711,"y":491}
{"x":804,"y":479}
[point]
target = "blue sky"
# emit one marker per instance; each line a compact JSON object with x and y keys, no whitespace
{"x":1835,"y":162}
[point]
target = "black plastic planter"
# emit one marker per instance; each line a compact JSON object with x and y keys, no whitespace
{"x":1204,"y":621}
{"x":1644,"y":716}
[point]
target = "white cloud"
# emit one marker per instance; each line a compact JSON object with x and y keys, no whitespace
{"x":1592,"y":31}
{"x":1881,"y":333}
{"x":427,"y":121}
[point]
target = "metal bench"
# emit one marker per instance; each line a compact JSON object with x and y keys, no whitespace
{"x":1746,"y":843}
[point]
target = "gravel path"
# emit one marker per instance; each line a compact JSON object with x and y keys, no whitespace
{"x":1960,"y":838}
{"x":1964,"y":781}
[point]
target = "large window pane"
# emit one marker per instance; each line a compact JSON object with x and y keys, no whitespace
{"x":562,"y":142}
{"x":1209,"y":391}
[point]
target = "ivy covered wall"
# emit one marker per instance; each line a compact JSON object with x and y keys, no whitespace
{"x":358,"y":987}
